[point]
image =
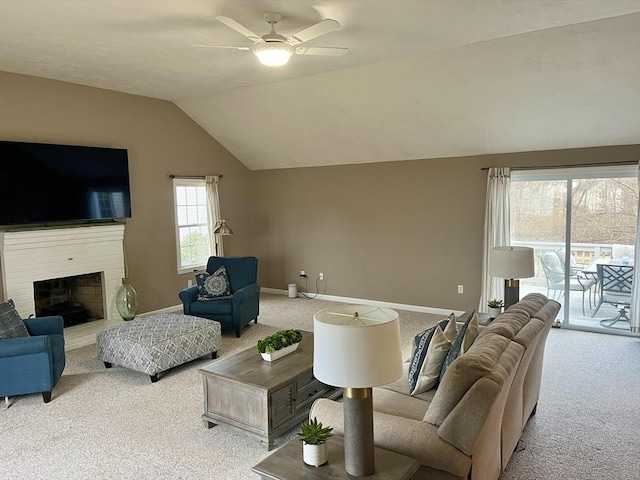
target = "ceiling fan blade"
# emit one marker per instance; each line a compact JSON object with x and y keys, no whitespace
{"x":222,"y":46}
{"x":329,"y":51}
{"x":309,"y":33}
{"x":229,"y":22}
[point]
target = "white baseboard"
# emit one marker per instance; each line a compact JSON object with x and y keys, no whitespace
{"x":376,"y":303}
{"x":85,"y":334}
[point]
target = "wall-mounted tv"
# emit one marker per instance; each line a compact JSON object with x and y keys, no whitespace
{"x":44,"y":184}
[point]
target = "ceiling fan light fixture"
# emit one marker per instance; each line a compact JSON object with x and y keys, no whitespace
{"x":273,"y":54}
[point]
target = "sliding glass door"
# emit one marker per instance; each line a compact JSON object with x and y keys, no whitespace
{"x":576,"y":219}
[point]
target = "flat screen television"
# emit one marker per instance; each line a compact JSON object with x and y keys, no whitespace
{"x":43,"y":184}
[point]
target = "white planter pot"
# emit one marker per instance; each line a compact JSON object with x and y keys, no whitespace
{"x":270,"y":357}
{"x":494,"y":312}
{"x":314,"y":455}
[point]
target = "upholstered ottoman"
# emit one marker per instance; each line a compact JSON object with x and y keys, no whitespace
{"x":158,"y":342}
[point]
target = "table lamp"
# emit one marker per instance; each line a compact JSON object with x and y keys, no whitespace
{"x":511,"y":263}
{"x":357,"y":347}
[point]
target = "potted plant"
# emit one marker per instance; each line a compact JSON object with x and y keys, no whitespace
{"x":279,"y":344}
{"x":314,"y":437}
{"x":495,"y":307}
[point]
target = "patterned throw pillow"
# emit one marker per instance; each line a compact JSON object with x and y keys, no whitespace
{"x":460,"y":343}
{"x":213,"y":286}
{"x":429,"y":351}
{"x":11,"y":325}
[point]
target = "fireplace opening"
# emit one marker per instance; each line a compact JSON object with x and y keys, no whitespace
{"x":77,"y":299}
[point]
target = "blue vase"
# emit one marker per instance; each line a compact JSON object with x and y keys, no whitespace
{"x":127,"y":301}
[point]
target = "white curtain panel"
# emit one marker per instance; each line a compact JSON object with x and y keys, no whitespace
{"x":635,"y":293}
{"x":213,"y":212}
{"x":497,"y":230}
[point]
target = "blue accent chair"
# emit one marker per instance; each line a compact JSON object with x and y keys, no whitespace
{"x":237,"y":312}
{"x":33,"y":364}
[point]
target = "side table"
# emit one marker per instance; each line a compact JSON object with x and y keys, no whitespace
{"x":287,"y":464}
{"x":484,"y":319}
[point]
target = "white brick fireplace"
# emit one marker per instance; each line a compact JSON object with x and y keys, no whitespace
{"x":28,"y":256}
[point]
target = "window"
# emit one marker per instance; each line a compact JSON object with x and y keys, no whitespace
{"x":192,"y":224}
{"x":589,"y":212}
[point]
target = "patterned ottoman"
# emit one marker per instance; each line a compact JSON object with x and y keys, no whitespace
{"x":158,"y":342}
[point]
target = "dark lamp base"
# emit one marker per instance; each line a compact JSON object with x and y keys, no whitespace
{"x":511,"y":292}
{"x":358,"y":432}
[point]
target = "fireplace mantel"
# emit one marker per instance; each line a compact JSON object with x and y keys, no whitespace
{"x":28,"y":256}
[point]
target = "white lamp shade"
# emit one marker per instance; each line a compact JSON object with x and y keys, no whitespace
{"x":356,"y":351}
{"x":512,"y":262}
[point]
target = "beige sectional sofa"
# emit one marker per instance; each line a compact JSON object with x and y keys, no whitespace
{"x":469,"y":425}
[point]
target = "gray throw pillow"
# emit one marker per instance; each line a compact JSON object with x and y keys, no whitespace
{"x":11,"y":325}
{"x":213,"y":286}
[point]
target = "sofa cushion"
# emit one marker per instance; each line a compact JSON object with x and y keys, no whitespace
{"x":402,"y":386}
{"x":463,"y":373}
{"x":211,"y":308}
{"x":475,"y":405}
{"x":11,"y":325}
{"x":530,"y":304}
{"x":213,"y":286}
{"x":400,"y":404}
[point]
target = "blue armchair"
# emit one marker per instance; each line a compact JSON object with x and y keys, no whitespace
{"x":242,"y":308}
{"x":33,"y":364}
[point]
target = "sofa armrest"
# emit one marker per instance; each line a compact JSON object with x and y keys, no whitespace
{"x":14,"y":347}
{"x":53,"y":325}
{"x":188,"y":296}
{"x":410,"y":437}
{"x":244,"y":293}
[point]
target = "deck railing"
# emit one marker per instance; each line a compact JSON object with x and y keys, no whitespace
{"x":583,"y":254}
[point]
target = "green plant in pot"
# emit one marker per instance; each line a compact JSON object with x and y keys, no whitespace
{"x":283,"y":342}
{"x":495,"y":307}
{"x":314,"y":437}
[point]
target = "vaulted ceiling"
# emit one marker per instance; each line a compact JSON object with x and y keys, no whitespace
{"x":422,"y":78}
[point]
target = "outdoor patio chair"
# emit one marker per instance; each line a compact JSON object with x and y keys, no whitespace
{"x":615,"y":289}
{"x":554,"y":272}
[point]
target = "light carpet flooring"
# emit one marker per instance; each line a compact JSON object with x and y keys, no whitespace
{"x":112,"y":424}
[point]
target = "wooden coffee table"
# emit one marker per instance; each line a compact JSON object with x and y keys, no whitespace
{"x":287,"y":464}
{"x":264,"y":399}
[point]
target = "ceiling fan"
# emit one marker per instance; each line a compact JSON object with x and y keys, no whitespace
{"x":273,"y":49}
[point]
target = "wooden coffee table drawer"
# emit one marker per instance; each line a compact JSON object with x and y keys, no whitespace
{"x":282,"y":405}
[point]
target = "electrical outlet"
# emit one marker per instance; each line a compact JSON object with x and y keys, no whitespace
{"x":303,"y":274}
{"x":189,"y":283}
{"x":460,"y":288}
{"x":321,"y":276}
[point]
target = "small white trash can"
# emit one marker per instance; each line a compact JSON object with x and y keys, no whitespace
{"x":293,"y":290}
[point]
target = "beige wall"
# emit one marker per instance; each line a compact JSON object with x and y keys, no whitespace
{"x":161,"y":140}
{"x":407,"y":232}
